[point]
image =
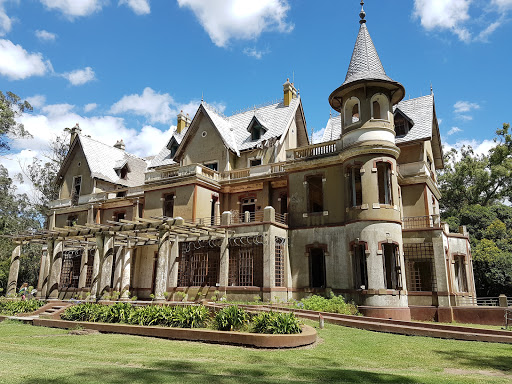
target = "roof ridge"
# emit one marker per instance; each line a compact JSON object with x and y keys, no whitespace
{"x":81,"y":136}
{"x":257,"y":106}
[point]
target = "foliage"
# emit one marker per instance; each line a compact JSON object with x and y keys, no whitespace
{"x":13,"y":307}
{"x":475,"y":191}
{"x":11,"y":107}
{"x":335,"y":304}
{"x":230,"y":318}
{"x":276,"y":323}
{"x":179,"y":316}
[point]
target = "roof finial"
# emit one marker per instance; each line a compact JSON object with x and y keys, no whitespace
{"x":362,"y":14}
{"x":431,"y":89}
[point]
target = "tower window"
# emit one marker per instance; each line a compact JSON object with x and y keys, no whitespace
{"x":392,"y":269}
{"x":380,"y":106}
{"x":355,"y":187}
{"x":355,"y":113}
{"x":315,"y":194}
{"x":376,"y":110}
{"x":351,"y":111}
{"x":384,"y":181}
{"x":360,"y":268}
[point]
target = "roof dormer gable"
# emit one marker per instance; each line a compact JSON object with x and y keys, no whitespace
{"x":256,"y":129}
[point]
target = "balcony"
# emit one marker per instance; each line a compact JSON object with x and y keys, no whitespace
{"x":312,"y":151}
{"x":421,"y":222}
{"x":177,"y":172}
{"x":417,"y":168}
{"x":96,"y":197}
{"x":257,"y":171}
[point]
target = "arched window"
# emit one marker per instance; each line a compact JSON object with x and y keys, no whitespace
{"x":359,"y":265}
{"x":352,"y":111}
{"x":384,"y":182}
{"x":380,"y":106}
{"x":392,"y":269}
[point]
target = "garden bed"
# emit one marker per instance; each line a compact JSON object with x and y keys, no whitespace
{"x":306,"y":337}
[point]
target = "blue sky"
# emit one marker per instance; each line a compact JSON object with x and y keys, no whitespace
{"x":125,"y":68}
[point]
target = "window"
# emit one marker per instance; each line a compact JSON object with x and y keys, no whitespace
{"x":392,"y":271}
{"x":168,"y":210}
{"x":246,"y":265}
{"x":75,"y":192}
{"x":198,"y":267}
{"x":376,"y":110}
{"x":119,"y":216}
{"x":121,"y":194}
{"x":284,"y":204}
{"x":70,"y":272}
{"x":401,"y":126}
{"x":173,"y":149}
{"x":419,"y":267}
{"x":72,"y":220}
{"x":254,"y":162}
{"x":384,"y":181}
{"x":279,"y":261}
{"x":355,"y":187}
{"x":360,"y":268}
{"x":214,"y":166}
{"x":124,"y":172}
{"x":315,"y":194}
{"x":461,"y":281}
{"x":317,"y":268}
{"x":248,"y":205}
{"x":351,"y":111}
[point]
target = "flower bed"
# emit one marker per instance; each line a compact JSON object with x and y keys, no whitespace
{"x":334,"y":304}
{"x":14,"y":307}
{"x":230,"y":318}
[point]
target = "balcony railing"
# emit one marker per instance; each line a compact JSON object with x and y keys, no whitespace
{"x":257,"y":171}
{"x":183,"y":171}
{"x":420,"y":222}
{"x":417,"y":168}
{"x":314,"y":150}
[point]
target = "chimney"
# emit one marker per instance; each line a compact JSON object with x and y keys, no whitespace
{"x":289,"y":92}
{"x":75,"y":131}
{"x":183,"y":121}
{"x":119,"y":145}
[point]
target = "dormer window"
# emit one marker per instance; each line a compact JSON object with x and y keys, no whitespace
{"x":173,"y":148}
{"x":256,"y":129}
{"x":123,"y":173}
{"x":403,"y":123}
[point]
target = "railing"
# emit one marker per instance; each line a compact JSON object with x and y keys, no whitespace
{"x":416,"y":168}
{"x":212,"y":221}
{"x":315,"y":150}
{"x":484,"y":301}
{"x":246,"y":217}
{"x":183,"y":171}
{"x":257,"y":171}
{"x":282,"y":218}
{"x":431,"y":221}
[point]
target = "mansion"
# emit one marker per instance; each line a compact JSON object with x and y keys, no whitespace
{"x":245,"y":206}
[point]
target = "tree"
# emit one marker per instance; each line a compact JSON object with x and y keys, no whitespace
{"x":475,"y":192}
{"x":11,"y":107}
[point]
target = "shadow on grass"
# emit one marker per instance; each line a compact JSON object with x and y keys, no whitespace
{"x":191,"y":373}
{"x":479,"y":361}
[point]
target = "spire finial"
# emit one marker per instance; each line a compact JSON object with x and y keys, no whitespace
{"x":362,"y":14}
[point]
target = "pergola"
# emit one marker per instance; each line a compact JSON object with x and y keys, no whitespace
{"x":164,"y":232}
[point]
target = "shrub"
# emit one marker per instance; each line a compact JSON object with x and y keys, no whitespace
{"x":230,"y":318}
{"x":190,"y":317}
{"x":13,"y":307}
{"x":335,"y":304}
{"x":276,"y":323}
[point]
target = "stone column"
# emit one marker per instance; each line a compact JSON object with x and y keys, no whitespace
{"x":13,"y":271}
{"x":136,"y":213}
{"x":106,"y":264}
{"x":118,"y":268}
{"x":162,"y":263}
{"x":216,"y":219}
{"x":90,"y":214}
{"x":46,"y":273}
{"x":126,"y":272}
{"x":41,"y":280}
{"x":173,"y":263}
{"x":95,"y":279}
{"x":83,"y":267}
{"x":224,"y":253}
{"x":55,"y":270}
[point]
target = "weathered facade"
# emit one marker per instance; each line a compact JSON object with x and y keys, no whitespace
{"x":245,"y":205}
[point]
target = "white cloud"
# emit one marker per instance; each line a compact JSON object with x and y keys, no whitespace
{"x":484,"y":35}
{"x":448,"y":14}
{"x":464,"y":106}
{"x":74,"y":8}
{"x":45,"y":35}
{"x":37,"y":101}
{"x":18,"y":64}
{"x":224,"y":20}
{"x":154,"y":106}
{"x":479,"y":147}
{"x":90,"y":107}
{"x":140,"y":7}
{"x":253,"y":52}
{"x":317,"y":136}
{"x":454,"y":130}
{"x":80,"y":76}
{"x":14,"y":162}
{"x":5,"y":20}
{"x":503,"y":4}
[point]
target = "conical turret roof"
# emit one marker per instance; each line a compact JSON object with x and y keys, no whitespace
{"x":365,"y":63}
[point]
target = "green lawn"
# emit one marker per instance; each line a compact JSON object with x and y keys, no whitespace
{"x":42,"y":355}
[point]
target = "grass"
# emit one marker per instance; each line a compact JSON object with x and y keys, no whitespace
{"x":43,"y":355}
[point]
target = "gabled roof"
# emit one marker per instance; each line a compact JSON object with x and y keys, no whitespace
{"x":103,"y":160}
{"x":234,"y":130}
{"x":365,"y":63}
{"x":421,"y":111}
{"x":164,"y":156}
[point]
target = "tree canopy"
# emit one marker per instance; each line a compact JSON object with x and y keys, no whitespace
{"x":11,"y":107}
